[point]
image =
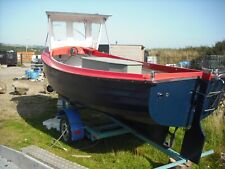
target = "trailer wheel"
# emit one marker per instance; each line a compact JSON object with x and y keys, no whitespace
{"x":65,"y":130}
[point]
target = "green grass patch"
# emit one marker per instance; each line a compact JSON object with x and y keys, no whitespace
{"x":117,"y":152}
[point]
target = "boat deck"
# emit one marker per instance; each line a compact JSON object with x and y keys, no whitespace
{"x":103,"y":63}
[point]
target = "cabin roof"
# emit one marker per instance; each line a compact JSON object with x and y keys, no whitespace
{"x":77,"y":17}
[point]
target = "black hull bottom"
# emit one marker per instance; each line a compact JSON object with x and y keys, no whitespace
{"x":125,"y":99}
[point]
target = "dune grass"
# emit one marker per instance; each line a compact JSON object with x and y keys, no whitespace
{"x":117,"y":152}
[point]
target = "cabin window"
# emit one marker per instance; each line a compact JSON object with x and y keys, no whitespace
{"x":59,"y":30}
{"x":95,"y":33}
{"x":79,"y":31}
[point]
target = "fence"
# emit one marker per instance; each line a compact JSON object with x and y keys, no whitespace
{"x":213,"y":62}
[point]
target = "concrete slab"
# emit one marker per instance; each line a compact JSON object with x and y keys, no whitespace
{"x":50,"y":158}
{"x":7,"y":164}
{"x":14,"y":159}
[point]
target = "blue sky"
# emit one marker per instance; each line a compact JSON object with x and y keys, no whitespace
{"x":152,"y":23}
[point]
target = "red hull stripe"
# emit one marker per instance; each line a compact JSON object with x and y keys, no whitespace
{"x":171,"y":73}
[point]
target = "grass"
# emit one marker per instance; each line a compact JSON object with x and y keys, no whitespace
{"x":165,"y":56}
{"x":117,"y":152}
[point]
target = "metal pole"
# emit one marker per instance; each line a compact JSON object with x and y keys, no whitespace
{"x":26,"y":47}
{"x":174,"y":164}
{"x":107,"y":38}
{"x":21,"y":59}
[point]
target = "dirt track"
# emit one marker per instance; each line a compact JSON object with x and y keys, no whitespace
{"x":9,"y":101}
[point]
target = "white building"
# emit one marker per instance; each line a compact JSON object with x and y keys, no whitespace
{"x":134,"y":52}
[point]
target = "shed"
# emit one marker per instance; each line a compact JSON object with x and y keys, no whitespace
{"x":26,"y":56}
{"x":134,"y":52}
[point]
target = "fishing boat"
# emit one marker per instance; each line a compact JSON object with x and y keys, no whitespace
{"x":142,"y":94}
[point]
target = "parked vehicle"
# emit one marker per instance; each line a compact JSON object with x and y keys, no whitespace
{"x":8,"y":58}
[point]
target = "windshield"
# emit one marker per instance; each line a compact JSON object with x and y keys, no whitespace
{"x":59,"y":30}
{"x":78,"y":32}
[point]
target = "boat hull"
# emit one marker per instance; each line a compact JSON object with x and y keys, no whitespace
{"x":125,"y":99}
{"x":167,"y":103}
{"x":150,"y":98}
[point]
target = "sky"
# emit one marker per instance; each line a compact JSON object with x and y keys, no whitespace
{"x":152,"y":23}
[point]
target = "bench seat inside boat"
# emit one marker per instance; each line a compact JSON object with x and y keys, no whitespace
{"x":111,"y":64}
{"x":103,"y":63}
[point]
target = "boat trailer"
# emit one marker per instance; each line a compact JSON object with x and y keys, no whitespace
{"x":72,"y":128}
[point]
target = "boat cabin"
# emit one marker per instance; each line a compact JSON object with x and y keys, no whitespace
{"x":74,"y":39}
{"x":75,"y":29}
{"x":84,"y":30}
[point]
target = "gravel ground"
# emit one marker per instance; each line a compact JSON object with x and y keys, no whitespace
{"x":8,"y":103}
{"x":7,"y":164}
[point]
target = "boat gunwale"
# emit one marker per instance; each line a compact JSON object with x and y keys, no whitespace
{"x":171,"y":74}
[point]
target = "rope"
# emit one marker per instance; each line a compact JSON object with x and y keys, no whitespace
{"x":46,"y":39}
{"x":55,"y":141}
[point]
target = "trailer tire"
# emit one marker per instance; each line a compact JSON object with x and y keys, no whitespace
{"x":65,"y":130}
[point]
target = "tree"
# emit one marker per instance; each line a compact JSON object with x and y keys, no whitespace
{"x":219,"y":48}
